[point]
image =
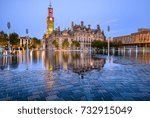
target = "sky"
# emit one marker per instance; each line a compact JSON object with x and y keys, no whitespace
{"x":123,"y":16}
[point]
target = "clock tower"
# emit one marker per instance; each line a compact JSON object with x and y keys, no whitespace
{"x":50,"y":20}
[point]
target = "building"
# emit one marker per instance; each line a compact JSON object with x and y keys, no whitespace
{"x":43,"y":44}
{"x":140,"y":38}
{"x":23,"y":42}
{"x":81,"y":33}
{"x":84,"y":35}
{"x":50,"y":22}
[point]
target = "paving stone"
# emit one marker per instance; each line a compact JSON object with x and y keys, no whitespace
{"x":123,"y":79}
{"x":52,"y":98}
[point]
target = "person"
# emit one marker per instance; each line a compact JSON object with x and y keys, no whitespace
{"x":81,"y":76}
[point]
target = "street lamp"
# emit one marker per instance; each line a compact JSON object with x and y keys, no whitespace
{"x":108,"y":41}
{"x":27,"y":47}
{"x":9,"y":49}
{"x":8,"y":26}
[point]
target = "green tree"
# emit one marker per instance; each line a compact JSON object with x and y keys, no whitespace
{"x":99,"y":44}
{"x":65,"y":44}
{"x":14,"y":39}
{"x":35,"y":42}
{"x":117,"y":44}
{"x":75,"y":44}
{"x":56,"y":43}
{"x":3,"y":39}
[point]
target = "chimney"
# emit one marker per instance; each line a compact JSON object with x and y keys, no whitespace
{"x":58,"y":28}
{"x":72,"y":25}
{"x":98,"y":27}
{"x":82,"y":24}
{"x":89,"y":26}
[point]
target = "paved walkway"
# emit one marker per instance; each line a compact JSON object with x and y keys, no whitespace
{"x":120,"y":80}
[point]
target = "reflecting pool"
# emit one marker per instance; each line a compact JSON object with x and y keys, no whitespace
{"x":42,"y":75}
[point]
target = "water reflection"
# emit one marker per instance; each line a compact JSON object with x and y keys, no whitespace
{"x":9,"y":62}
{"x":77,"y":62}
{"x":140,"y":57}
{"x":74,"y":61}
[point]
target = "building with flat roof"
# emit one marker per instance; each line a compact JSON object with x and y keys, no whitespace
{"x":140,"y":38}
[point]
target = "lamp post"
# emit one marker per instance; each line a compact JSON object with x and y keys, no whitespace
{"x":9,"y":49}
{"x":8,"y":26}
{"x":108,"y":41}
{"x":27,"y":47}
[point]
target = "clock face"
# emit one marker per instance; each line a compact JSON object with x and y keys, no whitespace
{"x":51,"y":19}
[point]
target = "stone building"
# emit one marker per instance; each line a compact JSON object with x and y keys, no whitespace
{"x":140,"y":38}
{"x":84,"y":35}
{"x":43,"y":44}
{"x":23,"y":41}
{"x":81,"y":33}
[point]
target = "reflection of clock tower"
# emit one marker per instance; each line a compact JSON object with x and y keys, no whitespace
{"x":50,"y":21}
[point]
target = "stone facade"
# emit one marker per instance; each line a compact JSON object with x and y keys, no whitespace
{"x":43,"y":44}
{"x":23,"y":41}
{"x":50,"y":20}
{"x":84,"y":35}
{"x":140,"y":38}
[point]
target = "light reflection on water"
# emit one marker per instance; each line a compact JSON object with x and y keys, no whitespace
{"x":42,"y":60}
{"x":76,"y":61}
{"x":72,"y":76}
{"x":140,"y":57}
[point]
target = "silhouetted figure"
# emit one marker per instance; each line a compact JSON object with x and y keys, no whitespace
{"x":81,"y":76}
{"x":2,"y":67}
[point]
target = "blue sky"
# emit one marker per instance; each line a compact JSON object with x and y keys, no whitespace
{"x":123,"y":16}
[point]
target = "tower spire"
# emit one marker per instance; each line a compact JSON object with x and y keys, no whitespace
{"x":50,"y":4}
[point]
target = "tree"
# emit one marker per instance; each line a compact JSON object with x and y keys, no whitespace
{"x":14,"y":39}
{"x":65,"y":44}
{"x":56,"y":43}
{"x":99,"y":44}
{"x":3,"y":39}
{"x":75,"y":44}
{"x":35,"y":42}
{"x":117,"y":44}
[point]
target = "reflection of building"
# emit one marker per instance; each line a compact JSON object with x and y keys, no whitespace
{"x":11,"y":62}
{"x":77,"y":62}
{"x":140,"y":38}
{"x":81,"y":33}
{"x":139,"y":57}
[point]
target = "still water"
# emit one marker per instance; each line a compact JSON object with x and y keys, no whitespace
{"x":42,"y":60}
{"x":42,"y":75}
